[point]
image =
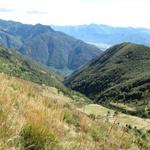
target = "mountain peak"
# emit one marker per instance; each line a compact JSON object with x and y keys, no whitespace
{"x":118,"y":51}
{"x":42,"y":28}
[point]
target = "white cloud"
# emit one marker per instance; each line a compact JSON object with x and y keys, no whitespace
{"x":4,"y":10}
{"x":113,"y":12}
{"x":35,"y":12}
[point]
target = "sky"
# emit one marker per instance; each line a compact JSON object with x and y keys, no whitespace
{"x":134,"y":13}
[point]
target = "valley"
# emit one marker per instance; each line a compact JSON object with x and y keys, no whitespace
{"x":60,"y":93}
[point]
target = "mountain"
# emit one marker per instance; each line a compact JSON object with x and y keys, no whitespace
{"x":105,"y":36}
{"x":15,"y":64}
{"x":119,"y":76}
{"x":42,"y":43}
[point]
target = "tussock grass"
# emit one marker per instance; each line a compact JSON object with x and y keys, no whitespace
{"x":34,"y":117}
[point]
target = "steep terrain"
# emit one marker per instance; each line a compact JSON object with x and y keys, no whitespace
{"x":120,"y":79}
{"x":14,"y":64}
{"x":105,"y":36}
{"x":34,"y":117}
{"x":42,"y":43}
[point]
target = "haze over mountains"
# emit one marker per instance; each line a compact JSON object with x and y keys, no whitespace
{"x":42,"y":43}
{"x":105,"y":36}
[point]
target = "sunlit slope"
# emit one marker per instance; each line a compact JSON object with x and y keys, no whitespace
{"x":15,"y":64}
{"x":37,"y":117}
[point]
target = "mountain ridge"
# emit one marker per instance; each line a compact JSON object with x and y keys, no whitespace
{"x":120,"y":75}
{"x":43,"y":44}
{"x":105,"y":36}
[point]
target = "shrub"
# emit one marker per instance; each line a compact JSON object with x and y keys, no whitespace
{"x":95,"y":134}
{"x":34,"y":138}
{"x":116,"y":113}
{"x":92,"y":116}
{"x":71,"y":118}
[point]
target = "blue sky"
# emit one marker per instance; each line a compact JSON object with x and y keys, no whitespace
{"x":135,"y":13}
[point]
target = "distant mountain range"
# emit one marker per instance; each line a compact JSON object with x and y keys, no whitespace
{"x":42,"y":43}
{"x":119,"y":75}
{"x":105,"y":36}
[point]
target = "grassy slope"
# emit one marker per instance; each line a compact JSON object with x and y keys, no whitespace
{"x":121,"y":74}
{"x":15,"y":64}
{"x":36,"y":117}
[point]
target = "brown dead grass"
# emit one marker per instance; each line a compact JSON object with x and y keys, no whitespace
{"x":25,"y":103}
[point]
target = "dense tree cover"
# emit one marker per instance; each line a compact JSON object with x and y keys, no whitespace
{"x":121,"y":74}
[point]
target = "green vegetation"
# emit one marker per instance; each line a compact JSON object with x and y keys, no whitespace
{"x":33,"y":138}
{"x":121,"y":75}
{"x":14,"y":64}
{"x":71,"y":118}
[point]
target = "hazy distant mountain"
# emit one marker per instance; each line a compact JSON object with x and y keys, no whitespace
{"x":105,"y":36}
{"x":47,"y":46}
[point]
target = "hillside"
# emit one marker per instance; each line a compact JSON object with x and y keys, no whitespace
{"x":14,"y":64}
{"x":105,"y":36}
{"x":34,"y":117}
{"x":119,"y":79}
{"x":54,"y":49}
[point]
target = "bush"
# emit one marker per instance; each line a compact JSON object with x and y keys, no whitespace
{"x":95,"y":133}
{"x":116,"y":113}
{"x":34,"y":138}
{"x":92,"y":116}
{"x":71,"y":118}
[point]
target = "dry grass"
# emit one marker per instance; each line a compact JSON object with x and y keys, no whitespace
{"x":123,"y":119}
{"x":36,"y":117}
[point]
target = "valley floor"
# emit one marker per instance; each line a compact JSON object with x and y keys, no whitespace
{"x":123,"y":119}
